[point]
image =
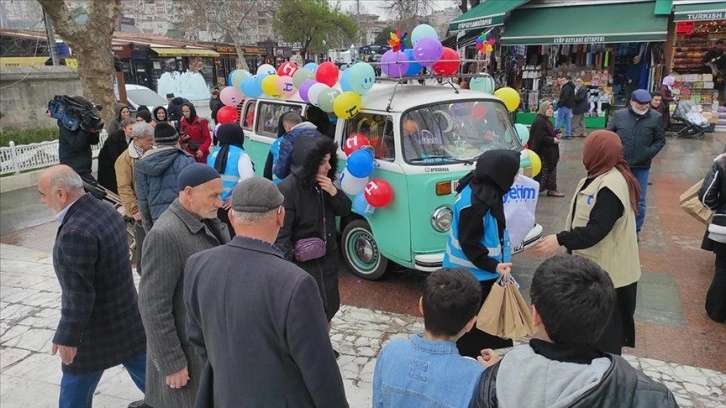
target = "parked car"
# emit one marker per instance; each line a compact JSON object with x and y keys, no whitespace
{"x":137,"y":95}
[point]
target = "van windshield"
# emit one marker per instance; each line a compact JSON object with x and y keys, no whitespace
{"x":451,"y":132}
{"x":145,"y":97}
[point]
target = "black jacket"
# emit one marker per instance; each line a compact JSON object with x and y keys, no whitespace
{"x":215,"y":105}
{"x":713,"y":191}
{"x":542,"y":140}
{"x":74,"y":148}
{"x":642,"y":136}
{"x":111,"y":150}
{"x":567,"y":95}
{"x":581,"y":105}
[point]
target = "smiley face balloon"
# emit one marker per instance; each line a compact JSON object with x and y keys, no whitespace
{"x":361,"y":77}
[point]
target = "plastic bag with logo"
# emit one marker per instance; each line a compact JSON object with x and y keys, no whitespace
{"x":519,"y":207}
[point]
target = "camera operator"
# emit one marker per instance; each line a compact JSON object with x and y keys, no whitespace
{"x":74,"y":146}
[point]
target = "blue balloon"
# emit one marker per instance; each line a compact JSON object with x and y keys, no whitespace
{"x":312,"y":67}
{"x":522,"y":132}
{"x":362,"y":77}
{"x":251,"y":88}
{"x":413,"y":67}
{"x":344,"y":83}
{"x":361,"y":163}
{"x":361,"y":206}
{"x":229,"y":78}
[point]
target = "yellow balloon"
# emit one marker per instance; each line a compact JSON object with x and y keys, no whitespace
{"x":347,"y":105}
{"x":536,"y":163}
{"x":269,"y":85}
{"x":509,"y":96}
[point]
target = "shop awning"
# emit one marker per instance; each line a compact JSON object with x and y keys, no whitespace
{"x":599,"y":23}
{"x":23,"y":61}
{"x":185,"y":52}
{"x":488,"y":13}
{"x":465,"y":40}
{"x":699,"y":11}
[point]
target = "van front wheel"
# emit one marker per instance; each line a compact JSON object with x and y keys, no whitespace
{"x":361,"y":251}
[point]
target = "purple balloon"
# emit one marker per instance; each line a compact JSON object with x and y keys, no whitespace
{"x":427,"y":51}
{"x":394,"y":63}
{"x":305,"y":87}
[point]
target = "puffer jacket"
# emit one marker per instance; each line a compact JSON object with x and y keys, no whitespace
{"x":713,"y":194}
{"x":156,"y":181}
{"x":642,"y":135}
{"x":281,"y":167}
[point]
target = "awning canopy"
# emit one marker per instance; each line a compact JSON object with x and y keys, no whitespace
{"x":488,"y":13}
{"x":699,"y":11}
{"x":598,"y":23}
{"x":465,"y":40}
{"x":23,"y":61}
{"x":185,"y":52}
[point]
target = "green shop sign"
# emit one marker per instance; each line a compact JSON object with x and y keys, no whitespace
{"x":478,"y":23}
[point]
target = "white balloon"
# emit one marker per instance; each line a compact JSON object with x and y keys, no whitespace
{"x":315,"y":91}
{"x":352,"y":185}
{"x":266,"y":69}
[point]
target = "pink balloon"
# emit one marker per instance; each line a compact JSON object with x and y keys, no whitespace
{"x":285,"y":86}
{"x":305,"y":87}
{"x":231,"y":96}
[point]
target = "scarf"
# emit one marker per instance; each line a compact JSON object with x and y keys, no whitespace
{"x":228,"y":134}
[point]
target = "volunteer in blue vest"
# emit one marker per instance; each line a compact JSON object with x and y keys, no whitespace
{"x":232,"y":163}
{"x":479,"y":240}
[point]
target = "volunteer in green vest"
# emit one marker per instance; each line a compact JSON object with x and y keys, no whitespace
{"x":601,"y":227}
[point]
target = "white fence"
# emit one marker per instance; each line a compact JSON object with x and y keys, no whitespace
{"x":14,"y":159}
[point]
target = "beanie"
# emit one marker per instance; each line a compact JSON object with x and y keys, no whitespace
{"x":196,"y":174}
{"x":165,"y":134}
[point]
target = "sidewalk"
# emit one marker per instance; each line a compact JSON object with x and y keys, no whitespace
{"x":29,"y":375}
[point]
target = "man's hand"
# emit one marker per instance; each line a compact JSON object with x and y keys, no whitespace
{"x":178,"y":379}
{"x":137,"y":216}
{"x":548,"y":245}
{"x":488,"y":358}
{"x":504,"y":268}
{"x":200,"y":154}
{"x":67,"y":354}
{"x":326,"y":184}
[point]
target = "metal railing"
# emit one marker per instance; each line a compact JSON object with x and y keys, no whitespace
{"x":17,"y":158}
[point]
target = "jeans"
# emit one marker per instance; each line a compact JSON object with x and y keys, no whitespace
{"x":564,"y":115}
{"x":77,"y":389}
{"x":641,"y":174}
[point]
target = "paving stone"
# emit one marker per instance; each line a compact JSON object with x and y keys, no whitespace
{"x":9,"y":356}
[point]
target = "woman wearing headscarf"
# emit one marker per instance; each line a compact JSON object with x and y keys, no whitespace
{"x":232,"y":163}
{"x":713,"y":196}
{"x":479,"y":240}
{"x":143,"y":115}
{"x":601,"y":227}
{"x":159,"y":115}
{"x":666,"y":95}
{"x":122,"y":112}
{"x":194,"y":132}
{"x":544,"y":141}
{"x":116,"y":143}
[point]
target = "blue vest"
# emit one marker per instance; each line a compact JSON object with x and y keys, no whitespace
{"x":500,"y":251}
{"x":275,"y":150}
{"x":230,"y":177}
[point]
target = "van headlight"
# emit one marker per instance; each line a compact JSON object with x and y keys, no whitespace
{"x":441,"y":219}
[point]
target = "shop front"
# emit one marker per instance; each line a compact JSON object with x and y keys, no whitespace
{"x":187,"y":72}
{"x":613,"y":47}
{"x":226,"y":63}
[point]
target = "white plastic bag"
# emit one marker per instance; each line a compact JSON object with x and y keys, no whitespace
{"x":520,"y":204}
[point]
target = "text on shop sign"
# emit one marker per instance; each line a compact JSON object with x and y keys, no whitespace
{"x":706,"y":16}
{"x":584,"y":39}
{"x":475,"y":23}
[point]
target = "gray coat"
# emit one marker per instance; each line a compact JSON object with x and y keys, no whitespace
{"x":259,"y":320}
{"x":176,"y":235}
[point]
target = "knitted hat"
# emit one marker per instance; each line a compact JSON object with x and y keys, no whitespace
{"x":165,"y":134}
{"x":256,"y":194}
{"x":196,"y":174}
{"x":641,"y":96}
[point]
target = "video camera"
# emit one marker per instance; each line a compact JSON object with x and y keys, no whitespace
{"x":74,"y":112}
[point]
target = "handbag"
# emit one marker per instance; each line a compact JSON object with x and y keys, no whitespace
{"x":307,"y":249}
{"x":505,"y":313}
{"x":693,"y":206}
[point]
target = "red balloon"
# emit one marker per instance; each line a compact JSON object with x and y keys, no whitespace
{"x":227,"y":114}
{"x":327,"y":74}
{"x":355,"y":142}
{"x":287,"y":69}
{"x":449,"y":63}
{"x":378,"y":193}
{"x":479,"y":111}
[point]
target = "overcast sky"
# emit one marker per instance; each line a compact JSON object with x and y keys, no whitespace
{"x":374,"y":6}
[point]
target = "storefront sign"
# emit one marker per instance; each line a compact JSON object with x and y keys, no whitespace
{"x":478,"y":23}
{"x":226,"y":49}
{"x":719,"y":15}
{"x":121,"y":50}
{"x":579,"y":39}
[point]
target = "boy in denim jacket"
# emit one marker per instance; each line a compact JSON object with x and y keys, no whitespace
{"x":427,"y":370}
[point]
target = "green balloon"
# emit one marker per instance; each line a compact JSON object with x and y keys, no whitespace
{"x":326,"y":99}
{"x":302,"y":75}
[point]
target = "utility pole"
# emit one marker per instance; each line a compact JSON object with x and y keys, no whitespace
{"x":357,"y":20}
{"x":51,"y":39}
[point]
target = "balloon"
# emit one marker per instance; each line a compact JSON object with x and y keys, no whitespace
{"x":394,"y":63}
{"x":413,"y":67}
{"x":509,"y":96}
{"x":361,"y":77}
{"x":227,"y":114}
{"x":266,"y":69}
{"x":352,"y":185}
{"x":347,"y":105}
{"x":355,"y":142}
{"x":327,"y":98}
{"x":344,"y":83}
{"x":269,"y":85}
{"x":378,"y":193}
{"x":536,"y":163}
{"x":479,"y":111}
{"x":305,"y":87}
{"x":427,"y":51}
{"x":449,"y":63}
{"x":229,"y":78}
{"x":483,"y":83}
{"x":327,"y":73}
{"x":522,"y":132}
{"x":422,"y":31}
{"x":302,"y":75}
{"x":216,"y":128}
{"x":311,"y":66}
{"x":237,"y":76}
{"x":285,"y":86}
{"x":315,"y":91}
{"x":361,"y":206}
{"x":231,"y":96}
{"x":287,"y":69}
{"x":361,"y":163}
{"x":251,"y":88}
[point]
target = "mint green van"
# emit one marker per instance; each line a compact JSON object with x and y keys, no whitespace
{"x":425,"y":138}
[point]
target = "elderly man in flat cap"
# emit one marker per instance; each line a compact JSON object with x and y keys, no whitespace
{"x":188,"y":226}
{"x":247,"y":294}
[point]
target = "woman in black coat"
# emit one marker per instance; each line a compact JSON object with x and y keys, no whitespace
{"x":116,"y":143}
{"x":713,"y":196}
{"x":544,"y":141}
{"x":311,"y":204}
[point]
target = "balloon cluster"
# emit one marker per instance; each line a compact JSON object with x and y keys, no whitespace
{"x":485,"y":43}
{"x":354,"y":180}
{"x":426,"y":51}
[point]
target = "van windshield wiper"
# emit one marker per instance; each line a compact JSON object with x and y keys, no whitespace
{"x":441,"y":158}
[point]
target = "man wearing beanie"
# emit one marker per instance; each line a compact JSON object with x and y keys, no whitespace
{"x":643,"y":137}
{"x":156,"y":174}
{"x":283,"y":356}
{"x":188,"y":226}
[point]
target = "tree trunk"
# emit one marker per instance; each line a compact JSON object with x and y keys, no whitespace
{"x":95,"y":67}
{"x":241,"y":61}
